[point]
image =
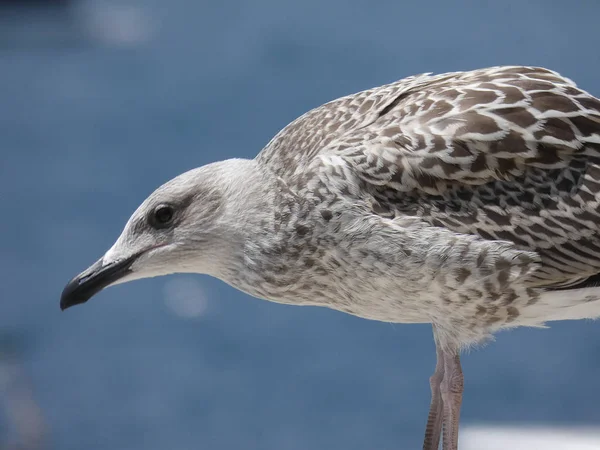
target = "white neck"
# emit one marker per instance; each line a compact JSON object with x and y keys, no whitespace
{"x":247,"y":219}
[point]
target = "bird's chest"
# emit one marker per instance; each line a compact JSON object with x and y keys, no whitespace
{"x":325,"y":265}
{"x":375,"y":269}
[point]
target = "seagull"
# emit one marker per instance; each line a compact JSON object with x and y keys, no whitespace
{"x":468,"y":200}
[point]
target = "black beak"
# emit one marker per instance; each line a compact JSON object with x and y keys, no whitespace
{"x":88,"y":283}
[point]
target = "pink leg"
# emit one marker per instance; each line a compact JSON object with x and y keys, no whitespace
{"x":433,"y":430}
{"x":446,"y":399}
{"x":452,"y":391}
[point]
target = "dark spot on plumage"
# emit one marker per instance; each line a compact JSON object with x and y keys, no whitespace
{"x":509,"y":201}
{"x":531,"y":292}
{"x":549,"y":101}
{"x":383,"y":169}
{"x":498,"y":218}
{"x":535,"y":85}
{"x":585,"y":125}
{"x":311,"y":248}
{"x":512,"y":142}
{"x":493,"y":296}
{"x":547,"y":156}
{"x":545,"y":74}
{"x":512,"y":313}
{"x":309,"y":262}
{"x":520,"y":231}
{"x":510,"y":298}
{"x":345,"y":191}
{"x":392,"y":104}
{"x":425,"y":180}
{"x":459,"y":149}
{"x":437,"y":143}
{"x":280,"y":269}
{"x":586,"y":196}
{"x":492,"y":320}
{"x":326,"y":214}
{"x":478,"y":123}
{"x":503,"y":278}
{"x":471,"y":180}
{"x":512,"y":94}
{"x":557,"y":128}
{"x":438,"y":109}
{"x":577,"y":165}
{"x":425,"y":104}
{"x":538,"y":229}
{"x":482,"y":256}
{"x":268,"y":278}
{"x":334,"y":262}
{"x":464,"y":194}
{"x":462,"y":274}
{"x":590,"y":103}
{"x":449,"y":94}
{"x":429,"y":162}
{"x":468,"y":218}
{"x":593,"y":172}
{"x":464,"y":299}
{"x":492,"y":309}
{"x":381,"y":210}
{"x":480,"y":310}
{"x":403,"y":141}
{"x":517,"y":115}
{"x":506,"y":165}
{"x":437,"y":222}
{"x":448,"y":168}
{"x":502,"y":265}
{"x":476,"y":97}
{"x":586,"y":215}
{"x":570,"y":90}
{"x":480,"y":163}
{"x":320,"y":195}
{"x":486,"y":235}
{"x":565,"y":185}
{"x":486,"y":84}
{"x":525,"y":197}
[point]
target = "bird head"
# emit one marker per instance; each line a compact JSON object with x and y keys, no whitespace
{"x":183,"y":226}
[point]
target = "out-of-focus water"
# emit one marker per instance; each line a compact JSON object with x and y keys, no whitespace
{"x":102,"y":103}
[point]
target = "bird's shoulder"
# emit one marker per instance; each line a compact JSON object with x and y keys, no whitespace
{"x":301,"y":141}
{"x":459,"y":123}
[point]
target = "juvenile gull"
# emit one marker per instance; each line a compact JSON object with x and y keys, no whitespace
{"x":468,"y":200}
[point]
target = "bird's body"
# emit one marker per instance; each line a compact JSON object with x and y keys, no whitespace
{"x":462,"y":199}
{"x":468,"y":200}
{"x":342,"y":256}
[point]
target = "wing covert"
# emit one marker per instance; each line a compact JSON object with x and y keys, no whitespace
{"x":506,"y":153}
{"x":512,"y":154}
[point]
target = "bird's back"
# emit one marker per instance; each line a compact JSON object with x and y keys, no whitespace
{"x":505,"y":153}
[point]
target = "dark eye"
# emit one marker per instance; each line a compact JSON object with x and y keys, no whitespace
{"x":163,"y":215}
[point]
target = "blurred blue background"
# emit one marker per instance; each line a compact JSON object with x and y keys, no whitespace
{"x":102,"y":101}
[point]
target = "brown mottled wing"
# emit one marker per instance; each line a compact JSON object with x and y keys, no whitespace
{"x":295,"y":147}
{"x":506,"y":153}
